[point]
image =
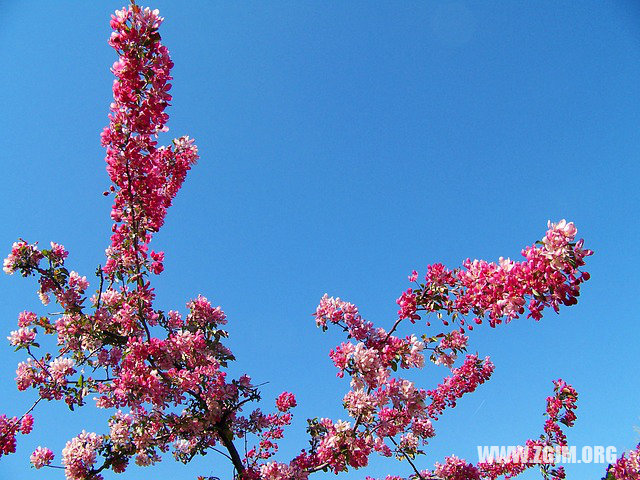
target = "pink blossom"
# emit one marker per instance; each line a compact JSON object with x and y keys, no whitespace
{"x":26,"y":319}
{"x":22,"y":337}
{"x":79,"y":456}
{"x":408,"y":306}
{"x":463,"y":380}
{"x":77,"y":282}
{"x":456,"y":468}
{"x":41,"y":457}
{"x":58,"y":252}
{"x":61,"y":368}
{"x":450,"y":345}
{"x":285,"y":401}
{"x":26,"y":424}
{"x":23,"y":256}
{"x":9,"y":428}
{"x":627,"y":467}
{"x":549,"y":277}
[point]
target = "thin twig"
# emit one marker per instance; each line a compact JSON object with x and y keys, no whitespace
{"x":404,"y":454}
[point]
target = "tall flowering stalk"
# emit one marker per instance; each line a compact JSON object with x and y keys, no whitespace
{"x":163,"y":373}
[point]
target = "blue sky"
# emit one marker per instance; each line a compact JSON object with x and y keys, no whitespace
{"x":344,"y":144}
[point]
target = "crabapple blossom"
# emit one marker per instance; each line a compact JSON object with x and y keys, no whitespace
{"x":285,"y":401}
{"x":26,"y":319}
{"x":9,"y":428}
{"x":41,"y":457}
{"x":22,"y":337}
{"x":627,"y":467}
{"x":559,"y":410}
{"x":455,"y":468}
{"x":548,"y":277}
{"x":464,"y":379}
{"x":163,"y":374}
{"x":26,"y":424}
{"x":79,"y":456}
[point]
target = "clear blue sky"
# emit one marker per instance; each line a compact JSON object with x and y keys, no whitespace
{"x":342,"y":145}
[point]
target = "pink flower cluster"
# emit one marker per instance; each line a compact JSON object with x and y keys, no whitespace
{"x":560,"y":410}
{"x":146,"y":177}
{"x":464,"y":379}
{"x":456,"y":468}
{"x":9,"y":428}
{"x":22,"y":337}
{"x":549,"y":277}
{"x":451,"y":344}
{"x":627,"y":467}
{"x":285,"y":401}
{"x":22,"y":257}
{"x":41,"y":457}
{"x":385,"y":407}
{"x":79,"y":456}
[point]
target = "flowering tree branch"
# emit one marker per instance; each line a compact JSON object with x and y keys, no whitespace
{"x":163,"y":373}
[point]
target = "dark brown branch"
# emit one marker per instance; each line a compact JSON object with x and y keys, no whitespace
{"x":226,"y":437}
